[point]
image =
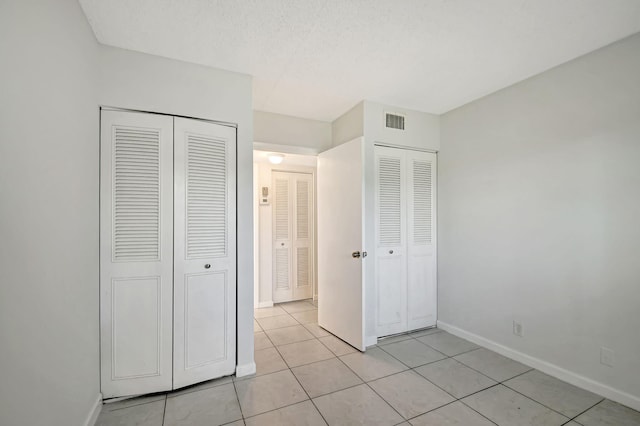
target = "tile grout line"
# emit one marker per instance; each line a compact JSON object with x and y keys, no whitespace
{"x":447,"y":357}
{"x":235,"y":390}
{"x":455,"y":399}
{"x":386,"y":402}
{"x":573,"y":419}
{"x":294,"y":376}
{"x":164,"y":410}
{"x":413,"y":369}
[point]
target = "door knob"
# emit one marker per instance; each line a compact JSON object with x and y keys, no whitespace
{"x":207,"y":266}
{"x":390,"y":251}
{"x":355,"y":254}
{"x":282,"y":244}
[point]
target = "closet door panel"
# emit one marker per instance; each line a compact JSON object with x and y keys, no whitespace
{"x":204,"y":251}
{"x":422,"y":296}
{"x":136,"y":257}
{"x":391,"y":270}
{"x":283,"y":278}
{"x":303,"y":236}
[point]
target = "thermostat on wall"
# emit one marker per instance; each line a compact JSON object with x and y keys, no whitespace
{"x":264,"y":195}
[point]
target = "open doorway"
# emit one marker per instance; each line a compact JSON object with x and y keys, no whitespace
{"x":284,"y":228}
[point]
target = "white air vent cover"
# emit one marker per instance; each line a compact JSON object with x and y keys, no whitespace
{"x":394,"y":121}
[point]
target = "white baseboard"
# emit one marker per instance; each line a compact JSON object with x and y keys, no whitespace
{"x":556,"y":371}
{"x":268,"y":304}
{"x":245,"y":369}
{"x":370,"y":341}
{"x":92,"y":417}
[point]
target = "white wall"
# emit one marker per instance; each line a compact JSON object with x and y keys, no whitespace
{"x":539,"y":195}
{"x":270,"y":128}
{"x":49,"y":347}
{"x":348,"y":126}
{"x":151,"y":83}
{"x":422,"y":130}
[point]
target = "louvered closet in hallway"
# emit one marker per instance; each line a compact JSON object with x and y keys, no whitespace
{"x":285,"y":227}
{"x":167,"y":252}
{"x":293,"y":231}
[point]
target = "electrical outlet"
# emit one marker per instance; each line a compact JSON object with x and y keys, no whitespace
{"x":517,"y":329}
{"x":606,"y":356}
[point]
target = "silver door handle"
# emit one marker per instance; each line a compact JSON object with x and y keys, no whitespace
{"x":355,"y":254}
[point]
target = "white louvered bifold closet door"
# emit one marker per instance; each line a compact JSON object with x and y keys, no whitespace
{"x":421,"y":253}
{"x":282,"y":212}
{"x":405,"y":240}
{"x":391,"y":261}
{"x":293,"y":209}
{"x":136,"y":253}
{"x":205,"y":251}
{"x":302,"y":249}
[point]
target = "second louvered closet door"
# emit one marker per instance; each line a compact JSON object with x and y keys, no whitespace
{"x":405,"y":242}
{"x":293,"y":231}
{"x":204,"y":251}
{"x":167,"y":252}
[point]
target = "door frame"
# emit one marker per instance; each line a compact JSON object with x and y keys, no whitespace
{"x":264,"y":263}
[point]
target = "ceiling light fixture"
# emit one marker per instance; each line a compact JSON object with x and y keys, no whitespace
{"x":276,"y":158}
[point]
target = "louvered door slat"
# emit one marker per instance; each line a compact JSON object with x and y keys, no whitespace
{"x":389,"y":201}
{"x":422,"y":202}
{"x":206,"y":187}
{"x":136,"y":194}
{"x":282,"y":209}
{"x":303,"y":267}
{"x":302,"y":209}
{"x":282,"y":269}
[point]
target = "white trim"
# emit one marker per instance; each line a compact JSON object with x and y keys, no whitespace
{"x":286,"y":149}
{"x":370,"y":341}
{"x":548,"y":368}
{"x":92,"y":417}
{"x":408,"y":148}
{"x":268,"y":304}
{"x":222,"y":123}
{"x":245,"y":369}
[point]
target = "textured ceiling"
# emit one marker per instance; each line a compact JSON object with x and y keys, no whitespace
{"x":317,"y":58}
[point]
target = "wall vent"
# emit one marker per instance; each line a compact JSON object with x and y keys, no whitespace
{"x":394,"y":121}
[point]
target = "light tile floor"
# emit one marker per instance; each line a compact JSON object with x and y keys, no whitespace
{"x":306,"y":376}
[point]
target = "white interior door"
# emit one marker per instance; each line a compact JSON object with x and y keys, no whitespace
{"x":205,"y":251}
{"x":422,"y":298}
{"x":340,"y":234}
{"x":391,"y":244}
{"x":136,"y":254}
{"x":292,"y":236}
